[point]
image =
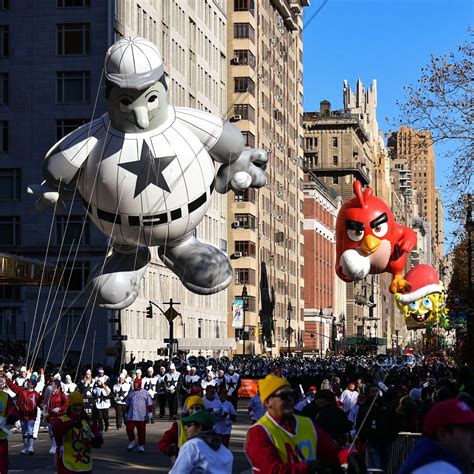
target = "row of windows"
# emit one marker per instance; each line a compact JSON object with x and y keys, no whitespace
{"x":76,"y":231}
{"x":63,"y":127}
{"x":71,"y":39}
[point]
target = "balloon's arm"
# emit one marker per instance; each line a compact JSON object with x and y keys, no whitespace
{"x":229,"y":146}
{"x":48,"y":195}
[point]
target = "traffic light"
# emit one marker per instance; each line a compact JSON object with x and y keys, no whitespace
{"x":149,"y":311}
{"x":259,"y":330}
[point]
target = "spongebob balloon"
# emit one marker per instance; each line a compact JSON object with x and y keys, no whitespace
{"x":146,"y":172}
{"x":425,"y":303}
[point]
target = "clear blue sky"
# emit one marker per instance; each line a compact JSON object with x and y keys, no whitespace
{"x":386,"y":40}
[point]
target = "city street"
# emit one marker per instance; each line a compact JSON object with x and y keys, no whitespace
{"x":113,"y":457}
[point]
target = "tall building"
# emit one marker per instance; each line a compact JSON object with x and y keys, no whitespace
{"x":341,"y":146}
{"x":52,"y":60}
{"x":266,"y":226}
{"x":415,"y":149}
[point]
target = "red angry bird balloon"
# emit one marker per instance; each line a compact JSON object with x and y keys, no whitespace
{"x":368,"y":240}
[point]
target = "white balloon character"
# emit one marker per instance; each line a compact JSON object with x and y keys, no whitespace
{"x":146,"y":172}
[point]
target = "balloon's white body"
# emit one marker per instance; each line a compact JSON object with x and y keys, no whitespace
{"x":154,"y":216}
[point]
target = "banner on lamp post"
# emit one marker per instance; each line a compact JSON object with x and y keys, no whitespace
{"x":238,"y":313}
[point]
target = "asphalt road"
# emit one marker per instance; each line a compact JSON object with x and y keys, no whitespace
{"x":113,"y":457}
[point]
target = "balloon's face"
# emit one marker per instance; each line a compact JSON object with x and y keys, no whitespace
{"x":133,"y":111}
{"x":422,"y":311}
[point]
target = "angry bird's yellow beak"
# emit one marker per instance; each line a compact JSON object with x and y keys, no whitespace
{"x":369,"y":245}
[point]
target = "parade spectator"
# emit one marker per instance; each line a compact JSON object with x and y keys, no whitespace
{"x":408,"y":415}
{"x":225,"y":418}
{"x":274,"y":443}
{"x":139,"y":410}
{"x":101,"y":394}
{"x":120,"y":393}
{"x":75,"y":436}
{"x":28,"y":402}
{"x":306,"y":400}
{"x":204,"y":451}
{"x":447,"y":445}
{"x":54,"y":409}
{"x":177,"y":435}
{"x":256,"y":408}
{"x":349,"y":397}
{"x":8,"y":415}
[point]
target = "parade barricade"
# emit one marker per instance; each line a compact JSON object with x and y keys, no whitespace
{"x":401,"y":449}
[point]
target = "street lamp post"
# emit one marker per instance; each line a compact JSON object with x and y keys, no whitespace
{"x":321,"y":314}
{"x":290,"y":309}
{"x":244,"y":307}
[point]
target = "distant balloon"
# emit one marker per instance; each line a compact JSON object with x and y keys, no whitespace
{"x":425,"y":304}
{"x":146,"y":174}
{"x":368,"y":240}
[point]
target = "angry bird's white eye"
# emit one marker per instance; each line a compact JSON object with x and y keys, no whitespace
{"x":427,"y":303}
{"x":153,"y":102}
{"x":380,"y":230}
{"x":414,"y":306}
{"x":125,"y":105}
{"x":355,"y":235}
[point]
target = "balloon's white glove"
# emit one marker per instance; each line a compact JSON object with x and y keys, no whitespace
{"x":248,"y":171}
{"x":48,"y":196}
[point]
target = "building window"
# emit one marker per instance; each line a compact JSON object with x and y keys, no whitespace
{"x":3,"y":88}
{"x":335,"y":180}
{"x":248,"y":195}
{"x":3,"y":136}
{"x":4,"y":4}
{"x":249,"y":138}
{"x":244,"y":6}
{"x":66,"y":126}
{"x":73,"y":3}
{"x":246,"y":221}
{"x":10,"y":184}
{"x":72,"y":231}
{"x":244,"y":30}
{"x":245,"y":247}
{"x":334,"y":160}
{"x":4,"y":41}
{"x":10,"y":230}
{"x":73,"y":87}
{"x":72,"y":38}
{"x":246,"y":112}
{"x":244,"y":276}
{"x":244,"y":57}
{"x":74,"y":322}
{"x":75,"y":275}
{"x":334,"y":141}
{"x":244,"y":84}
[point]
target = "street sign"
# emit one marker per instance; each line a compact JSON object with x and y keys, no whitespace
{"x":171,"y":314}
{"x":167,"y":340}
{"x":119,"y":337}
{"x":113,"y":320}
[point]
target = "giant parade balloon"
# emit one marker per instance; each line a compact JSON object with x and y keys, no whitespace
{"x":425,"y":303}
{"x":146,"y":172}
{"x":368,"y":240}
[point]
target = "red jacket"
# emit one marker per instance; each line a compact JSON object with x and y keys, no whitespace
{"x":56,"y":400}
{"x":28,"y":401}
{"x":168,"y":443}
{"x":265,"y":458}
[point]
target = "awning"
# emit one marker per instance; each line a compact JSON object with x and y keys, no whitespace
{"x":197,"y":344}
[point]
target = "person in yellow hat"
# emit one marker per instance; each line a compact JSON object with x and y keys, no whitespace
{"x":75,"y":436}
{"x":177,"y":435}
{"x":281,"y":441}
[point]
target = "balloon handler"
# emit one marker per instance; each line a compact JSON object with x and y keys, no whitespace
{"x":75,"y":437}
{"x":146,"y":174}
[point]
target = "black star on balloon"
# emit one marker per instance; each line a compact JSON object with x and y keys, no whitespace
{"x":149,"y":170}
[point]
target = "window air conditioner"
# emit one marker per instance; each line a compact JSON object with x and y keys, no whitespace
{"x":237,"y":254}
{"x":235,"y":225}
{"x":236,"y":118}
{"x":283,"y":268}
{"x":234,"y":61}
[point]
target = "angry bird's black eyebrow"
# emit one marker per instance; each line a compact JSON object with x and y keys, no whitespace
{"x":379,"y":220}
{"x":355,"y":225}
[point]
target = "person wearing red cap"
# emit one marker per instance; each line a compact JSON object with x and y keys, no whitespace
{"x":284,"y":443}
{"x":448,"y":441}
{"x":139,"y":410}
